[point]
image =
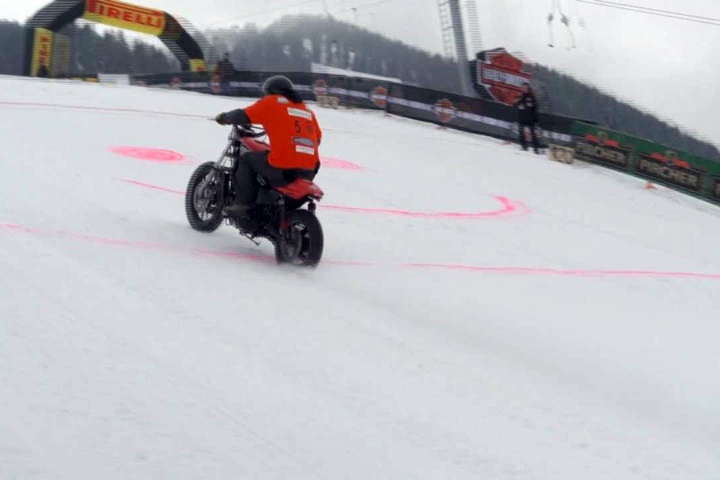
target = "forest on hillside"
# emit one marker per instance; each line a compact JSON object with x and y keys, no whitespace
{"x":293,"y":43}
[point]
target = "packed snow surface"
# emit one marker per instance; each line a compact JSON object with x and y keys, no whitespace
{"x":479,"y":312}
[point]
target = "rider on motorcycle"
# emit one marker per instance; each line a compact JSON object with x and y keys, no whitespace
{"x":294,"y":135}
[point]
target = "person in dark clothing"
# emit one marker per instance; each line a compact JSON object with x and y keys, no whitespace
{"x":224,"y":70}
{"x":43,"y":71}
{"x":294,"y":135}
{"x":528,"y":116}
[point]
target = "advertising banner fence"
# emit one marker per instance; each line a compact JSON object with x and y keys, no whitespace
{"x":471,"y":114}
{"x":715,"y":192}
{"x":652,"y":161}
{"x":445,"y":109}
{"x":350,"y":92}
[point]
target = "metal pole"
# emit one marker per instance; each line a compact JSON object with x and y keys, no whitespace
{"x":460,"y":48}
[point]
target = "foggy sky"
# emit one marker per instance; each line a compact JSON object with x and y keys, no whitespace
{"x":667,"y":67}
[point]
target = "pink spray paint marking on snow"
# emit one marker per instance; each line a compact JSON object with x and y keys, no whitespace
{"x":268,"y":259}
{"x":150,"y":154}
{"x":136,"y":244}
{"x":102,"y":109}
{"x":560,"y":272}
{"x":508,"y":207}
{"x":332,"y":162}
{"x":151,"y":186}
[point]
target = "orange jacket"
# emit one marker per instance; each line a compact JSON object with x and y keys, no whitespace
{"x":293,"y":131}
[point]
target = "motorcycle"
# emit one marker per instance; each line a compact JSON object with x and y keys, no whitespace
{"x":294,"y":231}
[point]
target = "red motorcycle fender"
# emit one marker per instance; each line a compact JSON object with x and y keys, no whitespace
{"x":301,"y":188}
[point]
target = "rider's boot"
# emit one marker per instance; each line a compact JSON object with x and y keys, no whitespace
{"x":236,"y":210}
{"x":243,"y":215}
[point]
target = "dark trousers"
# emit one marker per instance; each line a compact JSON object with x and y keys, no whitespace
{"x":533,"y":134}
{"x":252,"y":164}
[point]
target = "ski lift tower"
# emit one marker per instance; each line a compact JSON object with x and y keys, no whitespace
{"x":473,"y":26}
{"x":454,"y":45}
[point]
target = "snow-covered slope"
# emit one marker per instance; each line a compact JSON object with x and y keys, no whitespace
{"x":480,"y":313}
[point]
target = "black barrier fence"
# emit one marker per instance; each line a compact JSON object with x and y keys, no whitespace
{"x":450,"y":110}
{"x":472,"y":114}
{"x":354,"y":92}
{"x":445,"y":109}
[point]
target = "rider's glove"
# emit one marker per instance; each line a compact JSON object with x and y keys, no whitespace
{"x":220,"y":118}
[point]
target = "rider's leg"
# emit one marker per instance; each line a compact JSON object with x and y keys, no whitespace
{"x":251,"y":165}
{"x":246,"y":185}
{"x":260,"y":165}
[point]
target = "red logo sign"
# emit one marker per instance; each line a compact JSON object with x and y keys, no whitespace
{"x":445,"y":110}
{"x":379,"y":96}
{"x":671,"y":158}
{"x":502,"y":75}
{"x":320,"y":87}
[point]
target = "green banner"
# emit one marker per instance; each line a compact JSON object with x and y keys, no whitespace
{"x":604,"y":147}
{"x":715,"y":190}
{"x":649,"y":160}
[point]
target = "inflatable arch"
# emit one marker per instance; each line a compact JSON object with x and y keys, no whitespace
{"x":45,"y":48}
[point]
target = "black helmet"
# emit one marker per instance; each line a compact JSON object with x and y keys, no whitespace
{"x":278,"y":85}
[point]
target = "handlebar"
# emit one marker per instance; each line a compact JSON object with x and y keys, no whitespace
{"x":246,"y":130}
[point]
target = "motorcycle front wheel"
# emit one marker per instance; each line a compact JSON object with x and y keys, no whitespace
{"x":203,"y":206}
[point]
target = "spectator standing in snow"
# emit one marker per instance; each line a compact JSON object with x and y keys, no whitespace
{"x":225,"y":69}
{"x":528,"y":116}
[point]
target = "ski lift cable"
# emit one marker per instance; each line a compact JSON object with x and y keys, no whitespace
{"x":656,"y":12}
{"x":572,"y":36}
{"x":559,"y":7}
{"x":581,"y":22}
{"x":550,"y":19}
{"x":564,"y":19}
{"x":371,"y":4}
{"x":576,"y":9}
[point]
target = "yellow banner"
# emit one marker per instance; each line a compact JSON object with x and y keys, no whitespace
{"x":197,"y":65}
{"x":125,"y":15}
{"x":42,"y":52}
{"x":60,"y":64}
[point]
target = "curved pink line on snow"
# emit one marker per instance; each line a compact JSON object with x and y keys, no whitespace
{"x":558,"y":272}
{"x":509,"y":207}
{"x":554,"y":272}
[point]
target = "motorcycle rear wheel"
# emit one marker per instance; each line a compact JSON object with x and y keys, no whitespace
{"x":303,"y":241}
